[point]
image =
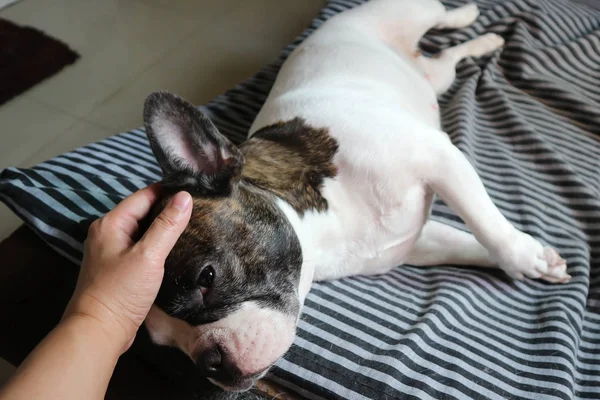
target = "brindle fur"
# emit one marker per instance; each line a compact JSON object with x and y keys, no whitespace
{"x":291,"y":160}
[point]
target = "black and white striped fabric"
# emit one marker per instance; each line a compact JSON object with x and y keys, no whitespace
{"x":529,"y":120}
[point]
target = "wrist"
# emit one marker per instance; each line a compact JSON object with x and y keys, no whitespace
{"x":94,"y":315}
{"x":92,"y":333}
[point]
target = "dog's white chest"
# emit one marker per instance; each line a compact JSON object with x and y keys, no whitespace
{"x":367,"y":229}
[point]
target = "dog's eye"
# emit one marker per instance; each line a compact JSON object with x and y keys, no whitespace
{"x":207,"y":276}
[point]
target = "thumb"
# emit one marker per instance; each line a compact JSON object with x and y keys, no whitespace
{"x":164,"y":231}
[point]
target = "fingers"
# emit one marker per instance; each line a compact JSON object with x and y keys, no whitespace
{"x":128,"y":212}
{"x":164,"y":231}
{"x":138,"y":204}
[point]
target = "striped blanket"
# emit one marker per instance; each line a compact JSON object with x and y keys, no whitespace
{"x":528,"y":119}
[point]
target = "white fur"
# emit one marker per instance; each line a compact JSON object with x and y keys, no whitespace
{"x":305,"y":238}
{"x":360,"y":76}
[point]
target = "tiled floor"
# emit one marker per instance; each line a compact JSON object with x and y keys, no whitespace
{"x":128,"y":49}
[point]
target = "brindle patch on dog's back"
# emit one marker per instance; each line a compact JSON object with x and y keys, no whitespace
{"x":291,"y":159}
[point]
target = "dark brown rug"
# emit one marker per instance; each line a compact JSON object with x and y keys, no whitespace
{"x":27,"y":57}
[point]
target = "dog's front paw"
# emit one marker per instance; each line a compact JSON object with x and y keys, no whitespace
{"x":524,"y":256}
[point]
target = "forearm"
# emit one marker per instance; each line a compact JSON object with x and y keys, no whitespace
{"x":75,"y":361}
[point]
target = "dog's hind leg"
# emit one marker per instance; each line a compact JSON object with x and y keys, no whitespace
{"x":440,"y":70}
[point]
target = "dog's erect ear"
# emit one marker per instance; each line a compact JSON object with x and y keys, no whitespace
{"x":189,"y":148}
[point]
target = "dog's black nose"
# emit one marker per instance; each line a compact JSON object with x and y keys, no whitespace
{"x":210,"y":362}
{"x":214,"y":363}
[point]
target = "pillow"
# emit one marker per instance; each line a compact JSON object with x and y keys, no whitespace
{"x":528,"y":118}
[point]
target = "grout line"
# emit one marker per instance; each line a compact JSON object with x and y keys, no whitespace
{"x":77,"y":120}
{"x":107,"y":128}
{"x":51,"y":106}
{"x":46,"y":140}
{"x":28,"y":161}
{"x":177,"y":44}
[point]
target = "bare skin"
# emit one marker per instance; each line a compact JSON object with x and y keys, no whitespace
{"x":117,"y":285}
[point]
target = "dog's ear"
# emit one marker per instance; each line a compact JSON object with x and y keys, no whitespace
{"x":189,"y":148}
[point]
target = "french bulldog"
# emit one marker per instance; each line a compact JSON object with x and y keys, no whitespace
{"x":336,"y":178}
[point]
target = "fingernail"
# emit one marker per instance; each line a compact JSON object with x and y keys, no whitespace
{"x":181,"y":201}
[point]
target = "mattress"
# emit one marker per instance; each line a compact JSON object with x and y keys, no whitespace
{"x":528,"y":119}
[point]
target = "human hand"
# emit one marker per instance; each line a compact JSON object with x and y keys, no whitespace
{"x":119,"y":278}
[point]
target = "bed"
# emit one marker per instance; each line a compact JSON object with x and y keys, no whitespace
{"x":527,"y":117}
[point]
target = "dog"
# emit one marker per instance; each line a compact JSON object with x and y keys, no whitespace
{"x":336,"y":178}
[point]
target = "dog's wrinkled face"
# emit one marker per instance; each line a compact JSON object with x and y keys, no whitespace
{"x":230,"y":296}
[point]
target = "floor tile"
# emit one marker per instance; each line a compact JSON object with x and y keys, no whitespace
{"x":28,"y":126}
{"x":212,"y":59}
{"x":80,"y":134}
